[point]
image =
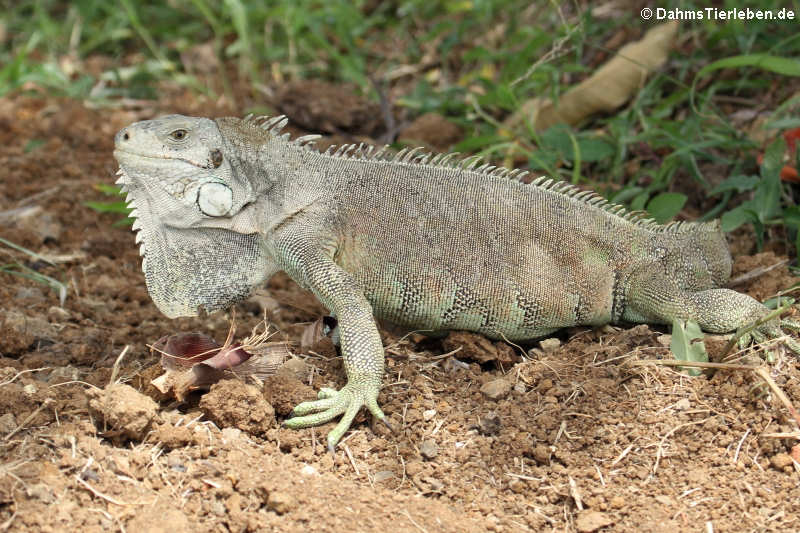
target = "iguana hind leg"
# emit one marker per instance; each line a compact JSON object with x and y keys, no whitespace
{"x":653,"y":297}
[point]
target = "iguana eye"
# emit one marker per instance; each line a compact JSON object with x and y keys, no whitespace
{"x":179,"y":135}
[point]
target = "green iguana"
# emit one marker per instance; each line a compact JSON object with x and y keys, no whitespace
{"x":425,"y":241}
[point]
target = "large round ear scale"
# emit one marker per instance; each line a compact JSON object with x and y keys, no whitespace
{"x":215,"y":199}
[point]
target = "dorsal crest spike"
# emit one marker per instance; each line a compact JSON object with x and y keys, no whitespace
{"x":447,"y":159}
{"x":398,"y":157}
{"x":409,"y":156}
{"x":274,"y":126}
{"x":305,"y":139}
{"x":380,"y":153}
{"x":470,"y":162}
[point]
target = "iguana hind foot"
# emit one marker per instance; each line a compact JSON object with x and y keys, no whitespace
{"x":770,"y":330}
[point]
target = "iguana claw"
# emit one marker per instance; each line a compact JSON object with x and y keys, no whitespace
{"x":332,"y":403}
{"x":772,"y":330}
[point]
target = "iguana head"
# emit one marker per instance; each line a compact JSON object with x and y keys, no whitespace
{"x":196,"y":213}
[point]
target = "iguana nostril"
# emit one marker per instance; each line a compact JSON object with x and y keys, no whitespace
{"x":125,"y":136}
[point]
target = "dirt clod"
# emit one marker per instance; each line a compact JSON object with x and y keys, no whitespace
{"x":429,"y":449}
{"x":781,"y":460}
{"x":497,"y":389}
{"x":549,"y":345}
{"x":231,"y":403}
{"x":281,"y":502}
{"x":589,"y":521}
{"x":431,"y":130}
{"x":490,"y":423}
{"x":122,"y":410}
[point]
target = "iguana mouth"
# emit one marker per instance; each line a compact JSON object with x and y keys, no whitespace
{"x":126,"y":153}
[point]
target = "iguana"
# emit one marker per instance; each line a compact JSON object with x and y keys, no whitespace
{"x":425,"y":241}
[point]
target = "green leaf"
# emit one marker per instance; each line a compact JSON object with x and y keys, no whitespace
{"x":791,"y":216}
{"x":767,"y":197}
{"x":109,"y":207}
{"x":687,"y":343}
{"x":736,"y":217}
{"x":595,"y":148}
{"x":639,"y":201}
{"x":33,"y":144}
{"x":111,"y":190}
{"x":739,"y":183}
{"x":666,"y":205}
{"x":776,"y":64}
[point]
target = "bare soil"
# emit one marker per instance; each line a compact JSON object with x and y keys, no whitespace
{"x":570,"y":437}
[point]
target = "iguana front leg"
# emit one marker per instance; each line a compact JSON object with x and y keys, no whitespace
{"x":653,"y":297}
{"x":360,"y":343}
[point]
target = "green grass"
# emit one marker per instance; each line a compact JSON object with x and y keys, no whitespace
{"x":21,"y":270}
{"x":474,"y":61}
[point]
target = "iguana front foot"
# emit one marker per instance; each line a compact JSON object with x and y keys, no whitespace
{"x":333,"y":403}
{"x":772,"y":329}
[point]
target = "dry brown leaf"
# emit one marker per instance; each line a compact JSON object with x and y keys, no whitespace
{"x":613,"y":84}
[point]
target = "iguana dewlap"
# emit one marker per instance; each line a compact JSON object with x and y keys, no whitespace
{"x":426,"y":241}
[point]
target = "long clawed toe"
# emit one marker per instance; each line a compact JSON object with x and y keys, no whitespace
{"x":332,"y":403}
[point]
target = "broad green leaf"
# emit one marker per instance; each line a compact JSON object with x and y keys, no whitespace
{"x":736,"y":217}
{"x":739,"y":183}
{"x":687,"y":343}
{"x":666,"y":205}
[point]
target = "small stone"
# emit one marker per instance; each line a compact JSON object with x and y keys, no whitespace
{"x":549,"y":345}
{"x":490,"y":423}
{"x":781,"y":460}
{"x":383,"y":475}
{"x":7,"y":423}
{"x":295,"y":367}
{"x":30,"y":388}
{"x":516,"y":485}
{"x":796,"y":452}
{"x":589,"y":521}
{"x":664,"y":340}
{"x":217,"y":507}
{"x":429,"y":414}
{"x":61,"y":374}
{"x":58,"y":314}
{"x":281,"y":502}
{"x":42,"y":492}
{"x":496,"y":389}
{"x":230,"y":434}
{"x":541,"y":454}
{"x":309,"y":470}
{"x":520,"y":388}
{"x":663,"y":499}
{"x":429,"y":449}
{"x":435,"y":484}
{"x":617,"y":502}
{"x":683,"y":404}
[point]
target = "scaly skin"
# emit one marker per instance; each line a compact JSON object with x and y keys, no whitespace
{"x":223,"y":204}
